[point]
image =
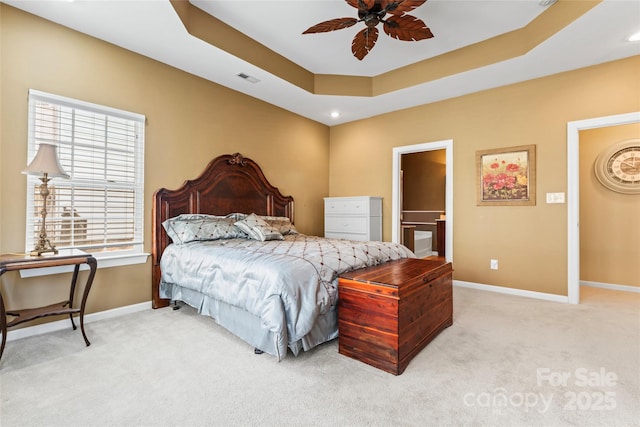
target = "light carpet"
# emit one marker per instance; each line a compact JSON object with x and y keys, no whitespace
{"x":506,"y":361}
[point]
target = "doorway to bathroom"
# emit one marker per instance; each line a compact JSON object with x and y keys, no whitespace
{"x":422,"y":200}
{"x":423,"y":197}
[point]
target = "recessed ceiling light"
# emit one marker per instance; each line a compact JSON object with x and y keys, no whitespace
{"x":634,"y":37}
{"x":335,"y":114}
{"x":546,"y":2}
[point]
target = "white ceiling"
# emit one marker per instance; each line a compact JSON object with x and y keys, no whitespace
{"x":455,"y":24}
{"x":152,"y":28}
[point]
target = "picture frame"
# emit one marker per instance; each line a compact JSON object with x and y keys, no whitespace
{"x":506,"y":176}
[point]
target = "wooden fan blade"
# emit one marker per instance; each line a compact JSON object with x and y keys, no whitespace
{"x":331,"y":25}
{"x":387,"y":6}
{"x":361,"y":5}
{"x":363,"y":42}
{"x":407,"y":28}
{"x":403,"y":7}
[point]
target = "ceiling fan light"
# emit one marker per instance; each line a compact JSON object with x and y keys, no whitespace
{"x":371,"y":20}
{"x":400,"y":25}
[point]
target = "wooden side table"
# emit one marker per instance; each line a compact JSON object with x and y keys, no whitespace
{"x":17,"y":262}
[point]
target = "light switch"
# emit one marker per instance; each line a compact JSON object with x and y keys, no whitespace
{"x":555,"y":197}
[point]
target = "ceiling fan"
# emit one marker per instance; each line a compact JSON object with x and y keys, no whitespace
{"x":372,"y":12}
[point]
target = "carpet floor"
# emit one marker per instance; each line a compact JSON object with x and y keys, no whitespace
{"x":506,"y":361}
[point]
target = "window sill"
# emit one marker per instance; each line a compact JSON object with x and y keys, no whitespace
{"x":103,"y":262}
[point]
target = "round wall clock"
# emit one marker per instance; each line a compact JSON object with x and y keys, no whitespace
{"x":618,"y":167}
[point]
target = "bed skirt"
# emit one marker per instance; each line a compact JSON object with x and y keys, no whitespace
{"x":249,"y":327}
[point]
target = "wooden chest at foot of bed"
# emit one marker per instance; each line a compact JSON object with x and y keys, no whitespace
{"x":388,"y":313}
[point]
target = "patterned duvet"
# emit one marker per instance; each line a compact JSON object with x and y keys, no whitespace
{"x":288,"y":284}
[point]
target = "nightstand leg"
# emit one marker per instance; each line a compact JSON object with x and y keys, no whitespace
{"x":3,"y":319}
{"x":72,"y":291}
{"x":93,"y":265}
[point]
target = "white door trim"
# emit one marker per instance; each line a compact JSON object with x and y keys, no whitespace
{"x":573,"y":192}
{"x":447,"y":145}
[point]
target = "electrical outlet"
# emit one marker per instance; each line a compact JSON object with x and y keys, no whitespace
{"x":494,"y":264}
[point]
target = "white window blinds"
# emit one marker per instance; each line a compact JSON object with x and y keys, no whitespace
{"x":100,"y":208}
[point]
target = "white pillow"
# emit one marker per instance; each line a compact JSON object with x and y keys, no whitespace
{"x":197,"y":227}
{"x":281,"y":223}
{"x":258,"y":229}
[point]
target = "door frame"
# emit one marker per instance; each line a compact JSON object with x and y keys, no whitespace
{"x":447,"y":145}
{"x":573,"y":193}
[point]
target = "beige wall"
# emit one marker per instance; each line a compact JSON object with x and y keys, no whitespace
{"x":609,"y":221}
{"x":424,"y":180}
{"x":189,"y":122}
{"x":530,"y":242}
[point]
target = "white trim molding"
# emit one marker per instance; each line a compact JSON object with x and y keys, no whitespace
{"x":446,"y":145}
{"x":511,"y":291}
{"x":573,"y":192}
{"x":103,"y":262}
{"x":612,"y":286}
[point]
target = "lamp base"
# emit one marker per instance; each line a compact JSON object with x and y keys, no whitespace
{"x":43,"y":247}
{"x":38,"y":252}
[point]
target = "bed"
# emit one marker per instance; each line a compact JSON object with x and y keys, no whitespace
{"x":225,"y":243}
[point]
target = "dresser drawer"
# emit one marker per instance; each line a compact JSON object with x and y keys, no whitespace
{"x":346,"y":224}
{"x":353,"y":218}
{"x":353,"y":206}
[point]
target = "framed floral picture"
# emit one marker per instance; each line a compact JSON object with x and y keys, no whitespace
{"x":507,"y":176}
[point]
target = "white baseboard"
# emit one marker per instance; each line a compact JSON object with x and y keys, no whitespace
{"x":64,"y":323}
{"x":512,"y":291}
{"x":107,"y":314}
{"x":625,"y":288}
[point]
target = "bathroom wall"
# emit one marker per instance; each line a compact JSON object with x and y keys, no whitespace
{"x":423,"y":189}
{"x":424,"y":180}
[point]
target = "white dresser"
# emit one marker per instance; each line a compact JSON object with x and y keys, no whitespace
{"x":353,"y":218}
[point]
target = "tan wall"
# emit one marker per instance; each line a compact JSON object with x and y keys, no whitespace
{"x":424,"y":180}
{"x":189,"y":122}
{"x":609,"y":221}
{"x":530,"y":242}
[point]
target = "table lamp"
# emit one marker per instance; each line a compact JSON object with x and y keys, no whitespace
{"x":46,"y":165}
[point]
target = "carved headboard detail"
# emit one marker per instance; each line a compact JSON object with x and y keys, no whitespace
{"x":230,"y":183}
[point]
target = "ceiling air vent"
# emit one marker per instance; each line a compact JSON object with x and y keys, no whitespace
{"x":248,"y":78}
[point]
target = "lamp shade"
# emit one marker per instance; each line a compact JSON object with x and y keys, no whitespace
{"x":46,"y":161}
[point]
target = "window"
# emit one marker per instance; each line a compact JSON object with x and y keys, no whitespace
{"x":99,"y":209}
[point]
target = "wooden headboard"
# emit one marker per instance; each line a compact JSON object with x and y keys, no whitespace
{"x":230,"y":183}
